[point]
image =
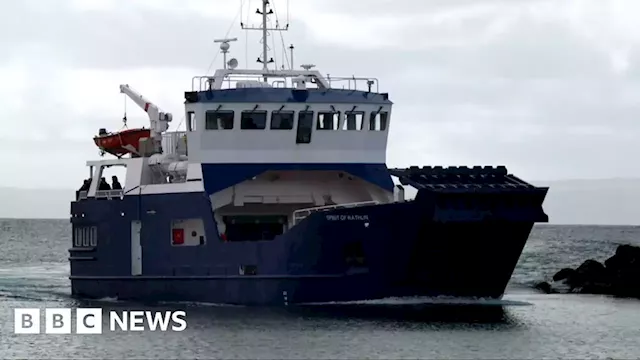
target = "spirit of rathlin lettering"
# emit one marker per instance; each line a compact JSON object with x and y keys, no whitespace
{"x":347,"y":217}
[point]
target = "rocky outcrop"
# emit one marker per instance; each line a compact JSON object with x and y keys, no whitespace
{"x":619,"y":276}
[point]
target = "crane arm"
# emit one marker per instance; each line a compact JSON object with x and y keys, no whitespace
{"x":159,"y":121}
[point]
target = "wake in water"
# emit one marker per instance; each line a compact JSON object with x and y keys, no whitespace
{"x":47,"y":282}
{"x":425,"y":300}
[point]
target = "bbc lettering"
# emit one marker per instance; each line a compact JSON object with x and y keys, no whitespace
{"x":89,"y":321}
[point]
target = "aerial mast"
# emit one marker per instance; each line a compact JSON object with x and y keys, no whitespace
{"x":265,"y":12}
{"x":291,"y":48}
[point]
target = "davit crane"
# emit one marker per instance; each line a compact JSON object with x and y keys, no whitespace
{"x":159,"y":121}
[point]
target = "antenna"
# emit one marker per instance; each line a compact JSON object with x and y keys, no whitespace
{"x":224,"y":49}
{"x":265,"y":12}
{"x":291,"y":48}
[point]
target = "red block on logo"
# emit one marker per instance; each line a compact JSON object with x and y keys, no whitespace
{"x":178,"y":236}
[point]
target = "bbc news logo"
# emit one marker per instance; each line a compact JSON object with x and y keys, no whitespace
{"x":89,"y":321}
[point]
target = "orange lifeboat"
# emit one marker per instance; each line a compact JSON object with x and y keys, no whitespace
{"x":121,"y":143}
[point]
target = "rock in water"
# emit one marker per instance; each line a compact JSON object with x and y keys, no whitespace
{"x":624,"y":271}
{"x":590,"y":271}
{"x":564,"y":274}
{"x":544,"y":286}
{"x":628,"y":252}
{"x":620,"y":275}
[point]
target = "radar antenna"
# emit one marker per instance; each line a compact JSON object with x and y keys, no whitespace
{"x":224,"y":48}
{"x":265,"y":12}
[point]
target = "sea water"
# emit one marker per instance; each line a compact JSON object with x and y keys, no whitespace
{"x":525,"y":325}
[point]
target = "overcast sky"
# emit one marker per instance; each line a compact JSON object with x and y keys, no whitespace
{"x":549,"y":88}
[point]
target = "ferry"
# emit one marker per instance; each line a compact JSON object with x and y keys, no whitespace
{"x":279,"y":193}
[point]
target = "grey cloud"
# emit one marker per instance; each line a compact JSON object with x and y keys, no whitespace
{"x":391,"y":8}
{"x":528,"y":49}
{"x":133,"y":38}
{"x":560,"y":152}
{"x":55,"y":163}
{"x":520,"y":95}
{"x":550,"y":102}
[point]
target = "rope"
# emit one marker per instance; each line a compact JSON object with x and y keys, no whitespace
{"x":239,"y":13}
{"x":275,"y":12}
{"x":246,"y":37}
{"x":246,"y":46}
{"x":226,"y":35}
{"x":124,"y":118}
{"x":273,"y":41}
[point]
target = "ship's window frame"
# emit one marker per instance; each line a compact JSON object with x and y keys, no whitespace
{"x":191,"y":121}
{"x":359,"y":124}
{"x":85,"y":237}
{"x":93,"y":238}
{"x":245,"y":120}
{"x":379,"y":121}
{"x":279,"y":125}
{"x":248,"y":270}
{"x":355,"y":255}
{"x":211,"y":121}
{"x":300,"y":136}
{"x":274,"y":226}
{"x":335,"y":124}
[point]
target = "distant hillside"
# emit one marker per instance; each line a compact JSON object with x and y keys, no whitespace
{"x":601,"y":202}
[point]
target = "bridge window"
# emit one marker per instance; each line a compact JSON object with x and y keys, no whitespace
{"x":305,"y":124}
{"x":353,"y":120}
{"x":378,"y":121}
{"x":282,"y":120}
{"x":328,"y":120}
{"x":253,"y":120}
{"x":191,"y":121}
{"x":218,"y":120}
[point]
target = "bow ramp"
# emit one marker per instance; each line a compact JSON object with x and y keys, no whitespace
{"x":478,"y":194}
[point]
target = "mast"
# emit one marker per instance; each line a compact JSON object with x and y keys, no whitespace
{"x":264,"y":35}
{"x":291,"y":48}
{"x":265,"y":12}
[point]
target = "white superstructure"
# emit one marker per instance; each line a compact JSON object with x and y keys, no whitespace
{"x":293,"y":120}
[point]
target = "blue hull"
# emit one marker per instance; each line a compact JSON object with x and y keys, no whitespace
{"x":446,"y":242}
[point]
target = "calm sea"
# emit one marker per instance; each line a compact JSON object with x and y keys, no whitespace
{"x":34,"y":270}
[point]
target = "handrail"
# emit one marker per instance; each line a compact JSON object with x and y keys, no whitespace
{"x":203,"y":83}
{"x":109,"y":194}
{"x":101,"y":194}
{"x":353,"y":81}
{"x":298,"y":214}
{"x":171,"y":142}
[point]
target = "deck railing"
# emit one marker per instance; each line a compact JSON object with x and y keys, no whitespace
{"x":174,"y":142}
{"x":203,"y":83}
{"x":102,"y":194}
